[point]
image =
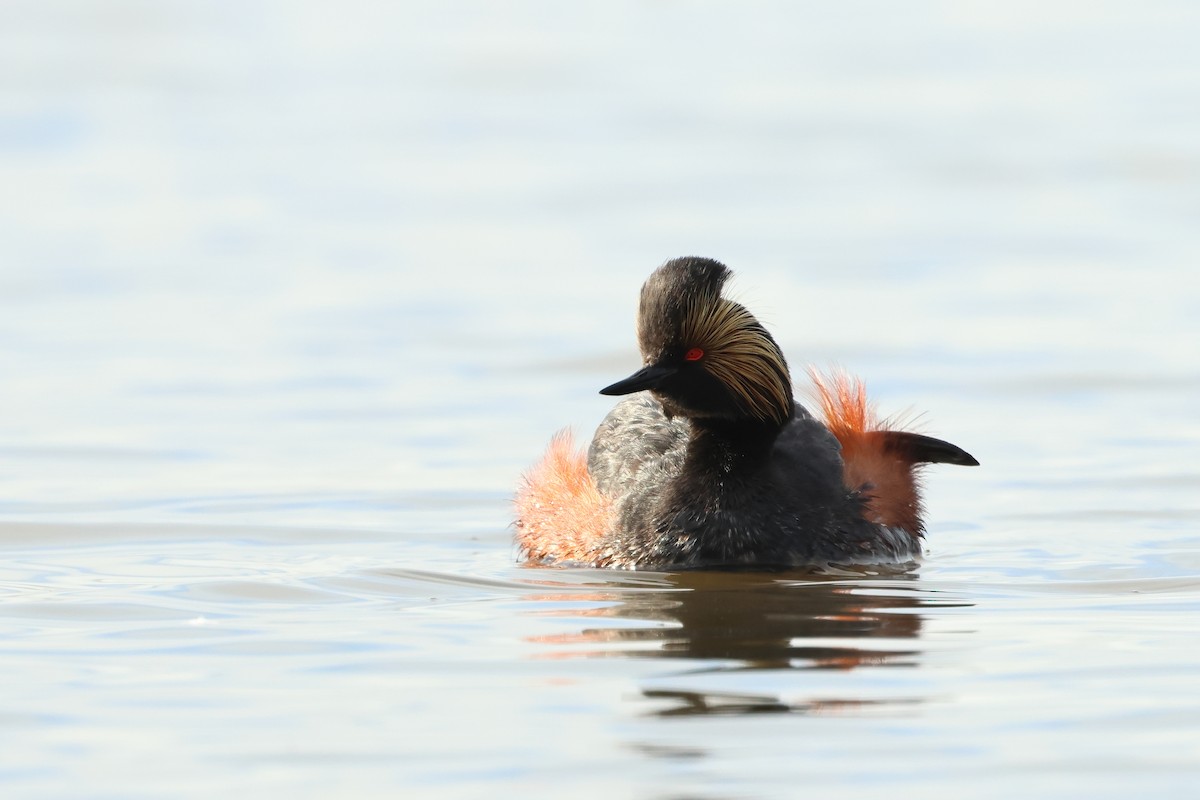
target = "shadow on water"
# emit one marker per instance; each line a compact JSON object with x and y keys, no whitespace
{"x":747,"y":622}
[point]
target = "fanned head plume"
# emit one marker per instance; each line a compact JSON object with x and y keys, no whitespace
{"x":706,"y":355}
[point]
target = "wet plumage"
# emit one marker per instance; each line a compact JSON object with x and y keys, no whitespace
{"x":711,"y":462}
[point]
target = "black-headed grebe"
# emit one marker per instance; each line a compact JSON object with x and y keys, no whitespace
{"x":711,"y":462}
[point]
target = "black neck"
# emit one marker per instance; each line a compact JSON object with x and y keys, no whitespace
{"x":720,"y":446}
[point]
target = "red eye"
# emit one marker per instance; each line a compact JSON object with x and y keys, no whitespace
{"x":695,"y":354}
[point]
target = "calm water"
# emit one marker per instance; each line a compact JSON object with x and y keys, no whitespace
{"x":291,"y":294}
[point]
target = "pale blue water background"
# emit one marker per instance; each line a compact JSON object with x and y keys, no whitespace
{"x":290,"y":293}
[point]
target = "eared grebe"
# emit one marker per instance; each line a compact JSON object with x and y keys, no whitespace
{"x":712,"y":463}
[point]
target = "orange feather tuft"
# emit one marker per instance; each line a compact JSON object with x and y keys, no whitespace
{"x":561,"y":514}
{"x":876,"y":462}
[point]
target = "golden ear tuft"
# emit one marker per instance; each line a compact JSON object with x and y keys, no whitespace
{"x":741,"y":354}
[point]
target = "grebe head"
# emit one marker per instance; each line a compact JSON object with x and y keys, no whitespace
{"x":706,"y":356}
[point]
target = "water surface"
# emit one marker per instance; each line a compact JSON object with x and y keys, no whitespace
{"x":289,"y":298}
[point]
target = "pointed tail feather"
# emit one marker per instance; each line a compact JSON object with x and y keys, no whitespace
{"x":919,"y":449}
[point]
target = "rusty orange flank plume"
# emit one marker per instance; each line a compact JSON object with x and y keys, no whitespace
{"x":878,"y":463}
{"x":561,"y":514}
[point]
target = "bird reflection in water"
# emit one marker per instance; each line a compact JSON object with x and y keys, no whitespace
{"x":744,"y":621}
